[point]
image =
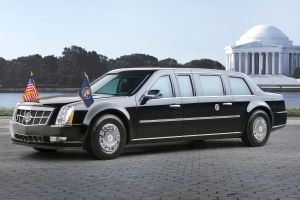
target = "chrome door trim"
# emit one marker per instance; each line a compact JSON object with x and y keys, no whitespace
{"x":189,"y":119}
{"x":280,"y":112}
{"x":185,"y":136}
{"x":160,"y":120}
{"x":281,"y":125}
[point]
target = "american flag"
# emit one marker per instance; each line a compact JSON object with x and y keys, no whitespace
{"x":31,"y":94}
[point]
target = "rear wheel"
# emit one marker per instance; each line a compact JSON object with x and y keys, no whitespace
{"x":44,"y":150}
{"x":258,"y":129}
{"x":107,"y":138}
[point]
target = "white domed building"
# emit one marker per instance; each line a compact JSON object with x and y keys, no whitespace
{"x":263,"y":50}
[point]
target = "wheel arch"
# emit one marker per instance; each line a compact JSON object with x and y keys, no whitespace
{"x":116,"y":110}
{"x":260,"y":105}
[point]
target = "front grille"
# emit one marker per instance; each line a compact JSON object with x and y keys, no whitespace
{"x":29,"y":138}
{"x":29,"y":115}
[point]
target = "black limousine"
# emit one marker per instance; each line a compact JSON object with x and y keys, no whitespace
{"x":144,"y":105}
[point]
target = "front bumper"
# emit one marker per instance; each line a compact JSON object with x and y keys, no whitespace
{"x":38,"y":136}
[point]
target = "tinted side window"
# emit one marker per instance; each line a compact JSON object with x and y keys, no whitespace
{"x":163,"y":84}
{"x":185,"y":85}
{"x":211,"y":85}
{"x":239,"y":86}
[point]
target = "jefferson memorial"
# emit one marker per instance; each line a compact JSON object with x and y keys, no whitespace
{"x":263,"y":50}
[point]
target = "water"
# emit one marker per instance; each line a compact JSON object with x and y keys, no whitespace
{"x":292,"y":99}
{"x":9,"y":100}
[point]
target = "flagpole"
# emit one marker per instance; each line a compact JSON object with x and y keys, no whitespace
{"x":86,"y":76}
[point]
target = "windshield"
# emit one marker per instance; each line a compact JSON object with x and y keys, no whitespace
{"x":121,"y":84}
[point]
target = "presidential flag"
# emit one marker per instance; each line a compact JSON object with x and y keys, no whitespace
{"x":31,"y":94}
{"x":85,"y":92}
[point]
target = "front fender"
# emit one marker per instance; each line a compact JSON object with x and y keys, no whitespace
{"x":94,"y":110}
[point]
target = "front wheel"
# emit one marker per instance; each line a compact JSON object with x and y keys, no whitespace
{"x":107,"y":138}
{"x":258,"y":129}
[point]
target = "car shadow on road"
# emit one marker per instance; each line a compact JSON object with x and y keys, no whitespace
{"x":182,"y":146}
{"x":140,"y":150}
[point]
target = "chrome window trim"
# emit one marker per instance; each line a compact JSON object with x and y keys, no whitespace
{"x":188,"y":119}
{"x":185,"y":136}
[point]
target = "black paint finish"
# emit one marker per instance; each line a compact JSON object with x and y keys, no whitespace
{"x":163,"y":119}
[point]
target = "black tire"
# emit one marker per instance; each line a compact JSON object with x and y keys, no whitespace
{"x":94,"y":147}
{"x":44,"y":150}
{"x":256,"y":133}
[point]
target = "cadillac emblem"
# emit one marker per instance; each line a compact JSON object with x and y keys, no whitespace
{"x":27,"y":117}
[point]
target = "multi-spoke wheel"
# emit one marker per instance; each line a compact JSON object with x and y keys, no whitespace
{"x":107,"y":138}
{"x":258,"y":129}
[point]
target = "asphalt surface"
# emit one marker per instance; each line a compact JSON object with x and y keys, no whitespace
{"x":215,"y":169}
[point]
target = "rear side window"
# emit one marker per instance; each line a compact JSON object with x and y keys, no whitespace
{"x":163,"y":84}
{"x":239,"y":86}
{"x":211,"y":85}
{"x":185,"y":85}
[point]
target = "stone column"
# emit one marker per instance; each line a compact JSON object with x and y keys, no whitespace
{"x":273,"y":62}
{"x":280,"y":63}
{"x":246,"y":63}
{"x":253,"y":62}
{"x":267,"y":62}
{"x":233,"y":61}
{"x":240,"y":62}
{"x":260,"y":62}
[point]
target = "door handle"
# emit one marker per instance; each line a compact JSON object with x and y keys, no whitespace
{"x":175,"y":106}
{"x":227,"y":104}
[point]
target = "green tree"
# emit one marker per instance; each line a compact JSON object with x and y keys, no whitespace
{"x":169,"y":62}
{"x":204,"y":63}
{"x":134,"y":60}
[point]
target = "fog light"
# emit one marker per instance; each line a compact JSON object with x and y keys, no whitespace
{"x":58,"y":139}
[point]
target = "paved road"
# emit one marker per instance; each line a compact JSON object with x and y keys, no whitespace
{"x":223,"y":169}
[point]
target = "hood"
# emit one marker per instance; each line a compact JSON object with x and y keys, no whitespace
{"x":66,"y":99}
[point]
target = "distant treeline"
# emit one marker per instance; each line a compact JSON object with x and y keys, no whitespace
{"x":67,"y":71}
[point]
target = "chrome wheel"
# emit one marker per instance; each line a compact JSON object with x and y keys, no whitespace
{"x":109,"y":138}
{"x":260,"y":128}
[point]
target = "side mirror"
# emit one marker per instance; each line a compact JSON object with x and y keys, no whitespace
{"x":151,"y":94}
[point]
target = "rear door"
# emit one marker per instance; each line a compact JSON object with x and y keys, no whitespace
{"x":216,"y":113}
{"x":242,"y":95}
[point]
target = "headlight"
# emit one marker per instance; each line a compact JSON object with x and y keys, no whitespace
{"x":65,"y":116}
{"x":15,"y":112}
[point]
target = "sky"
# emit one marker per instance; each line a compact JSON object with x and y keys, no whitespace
{"x":180,"y":29}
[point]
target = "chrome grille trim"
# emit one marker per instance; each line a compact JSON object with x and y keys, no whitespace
{"x":38,"y":115}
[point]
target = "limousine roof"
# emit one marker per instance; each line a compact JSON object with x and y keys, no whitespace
{"x":176,"y":69}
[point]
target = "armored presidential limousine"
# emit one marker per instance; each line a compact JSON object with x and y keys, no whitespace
{"x":144,"y":105}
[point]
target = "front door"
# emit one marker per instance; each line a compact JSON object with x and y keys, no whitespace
{"x":160,"y":118}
